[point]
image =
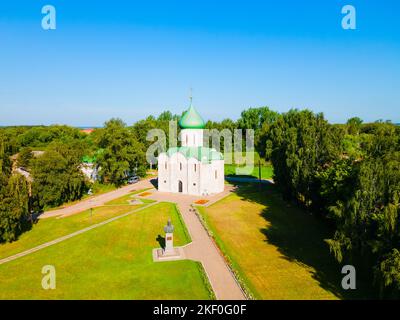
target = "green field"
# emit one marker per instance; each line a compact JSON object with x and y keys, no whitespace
{"x":267,"y":171}
{"x":48,"y":229}
{"x":113,"y":261}
{"x":232,"y":163}
{"x":277,"y":249}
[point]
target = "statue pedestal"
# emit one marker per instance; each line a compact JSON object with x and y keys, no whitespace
{"x":169,"y":243}
{"x":176,"y":253}
{"x":168,"y":252}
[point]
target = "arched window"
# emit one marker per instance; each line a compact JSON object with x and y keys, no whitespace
{"x":180,"y":166}
{"x":195,"y":167}
{"x":165,"y":165}
{"x":187,"y":139}
{"x":216,"y":174}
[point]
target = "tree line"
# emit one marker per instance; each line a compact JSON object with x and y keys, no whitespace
{"x":51,"y":157}
{"x":347,"y":174}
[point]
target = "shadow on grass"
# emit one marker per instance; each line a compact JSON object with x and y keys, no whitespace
{"x":25,"y":226}
{"x":299,"y":237}
{"x":161,"y":241}
{"x":247,"y":176}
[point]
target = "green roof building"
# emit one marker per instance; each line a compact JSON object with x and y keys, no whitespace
{"x":191,"y":168}
{"x":191,"y":119}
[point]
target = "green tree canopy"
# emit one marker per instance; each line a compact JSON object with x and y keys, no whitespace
{"x":122,"y":153}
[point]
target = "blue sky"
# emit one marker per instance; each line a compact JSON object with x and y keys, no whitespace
{"x":129,"y":59}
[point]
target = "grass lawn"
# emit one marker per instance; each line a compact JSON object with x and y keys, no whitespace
{"x":52,"y":228}
{"x":232,"y":161}
{"x":113,"y":261}
{"x":124,"y":200}
{"x":267,"y":171}
{"x":277,"y":249}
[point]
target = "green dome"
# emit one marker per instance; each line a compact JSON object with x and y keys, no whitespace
{"x":191,"y":119}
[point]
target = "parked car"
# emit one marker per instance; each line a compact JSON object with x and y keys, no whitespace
{"x":133,"y":180}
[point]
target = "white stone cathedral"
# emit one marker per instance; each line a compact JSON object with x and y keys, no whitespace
{"x":191,"y":168}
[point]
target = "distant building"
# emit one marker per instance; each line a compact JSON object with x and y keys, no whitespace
{"x":37,"y":153}
{"x":89,"y":168}
{"x":191,"y":168}
{"x":87,"y":130}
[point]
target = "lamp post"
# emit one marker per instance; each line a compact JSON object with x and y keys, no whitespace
{"x":259,"y":173}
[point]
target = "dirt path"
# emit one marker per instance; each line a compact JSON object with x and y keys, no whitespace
{"x":203,"y":248}
{"x":96,"y":201}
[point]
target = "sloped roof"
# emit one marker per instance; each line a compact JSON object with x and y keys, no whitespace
{"x":93,"y":158}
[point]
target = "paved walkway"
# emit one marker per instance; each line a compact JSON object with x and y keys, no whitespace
{"x":96,"y":201}
{"x":202,"y":247}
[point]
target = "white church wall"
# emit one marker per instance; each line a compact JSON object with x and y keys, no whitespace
{"x":218,"y":166}
{"x":178,"y":172}
{"x":207,"y":178}
{"x":193,"y":168}
{"x":164,"y":179}
{"x":191,"y":137}
{"x":205,"y":183}
{"x":212,"y":177}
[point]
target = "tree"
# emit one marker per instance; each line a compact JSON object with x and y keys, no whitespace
{"x":367,"y":222}
{"x":14,"y":196}
{"x":337,"y":180}
{"x":254,"y":118}
{"x":354,"y":125}
{"x":57,"y":177}
{"x":259,"y":120}
{"x":14,"y":208}
{"x":122,"y":153}
{"x":354,"y":177}
{"x":388,"y":273}
{"x":166,"y":116}
{"x":5,"y":163}
{"x":24,"y":157}
{"x":302,"y":144}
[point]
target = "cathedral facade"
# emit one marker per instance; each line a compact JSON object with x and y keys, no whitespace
{"x":191,"y":168}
